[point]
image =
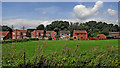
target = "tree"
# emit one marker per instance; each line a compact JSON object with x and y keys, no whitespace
{"x":29,"y":31}
{"x":105,"y":31}
{"x":57,"y":36}
{"x":5,"y":28}
{"x":40,"y":27}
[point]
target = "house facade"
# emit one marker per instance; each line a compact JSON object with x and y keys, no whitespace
{"x":37,"y":34}
{"x":80,"y":35}
{"x":5,"y":35}
{"x":100,"y":37}
{"x":115,"y":34}
{"x":65,"y":35}
{"x":51,"y":34}
{"x":19,"y":34}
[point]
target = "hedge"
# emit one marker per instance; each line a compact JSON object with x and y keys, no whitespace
{"x":18,"y":40}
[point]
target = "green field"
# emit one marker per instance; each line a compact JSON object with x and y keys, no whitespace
{"x":51,"y":46}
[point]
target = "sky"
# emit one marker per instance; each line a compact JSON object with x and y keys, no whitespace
{"x":31,"y":14}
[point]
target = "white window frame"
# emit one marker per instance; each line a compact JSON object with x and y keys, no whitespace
{"x":13,"y":33}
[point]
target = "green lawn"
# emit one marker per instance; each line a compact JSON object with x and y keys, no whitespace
{"x":61,"y":53}
{"x":56,"y":45}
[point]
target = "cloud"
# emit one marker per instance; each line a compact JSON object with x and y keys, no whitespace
{"x":106,"y":20}
{"x":29,"y":24}
{"x":112,"y":12}
{"x":19,"y":23}
{"x":82,"y":12}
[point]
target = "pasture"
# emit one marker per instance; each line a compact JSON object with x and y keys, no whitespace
{"x":48,"y":47}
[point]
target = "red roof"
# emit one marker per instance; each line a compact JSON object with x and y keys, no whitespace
{"x":49,"y":31}
{"x":80,"y":31}
{"x":41,"y":31}
{"x":3,"y":33}
{"x":100,"y":35}
{"x":20,"y":30}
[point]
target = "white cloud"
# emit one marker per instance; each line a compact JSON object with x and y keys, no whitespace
{"x":108,"y":21}
{"x":19,"y":23}
{"x":112,"y":12}
{"x":82,"y":12}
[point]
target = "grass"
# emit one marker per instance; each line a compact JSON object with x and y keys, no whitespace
{"x":58,"y":52}
{"x":55,"y":45}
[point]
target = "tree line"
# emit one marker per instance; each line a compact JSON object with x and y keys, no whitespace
{"x":92,"y":27}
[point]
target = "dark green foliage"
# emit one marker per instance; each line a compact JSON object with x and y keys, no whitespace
{"x":57,"y":36}
{"x":5,"y":28}
{"x":34,"y":39}
{"x":40,"y":27}
{"x":29,"y":32}
{"x":50,"y":38}
{"x":92,"y":27}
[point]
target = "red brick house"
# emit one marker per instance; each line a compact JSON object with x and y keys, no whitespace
{"x":51,"y":34}
{"x":80,"y":35}
{"x":37,"y":34}
{"x":19,"y":34}
{"x":5,"y":35}
{"x":100,"y":37}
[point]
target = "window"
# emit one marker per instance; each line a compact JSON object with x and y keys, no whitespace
{"x":18,"y":37}
{"x":47,"y":33}
{"x":77,"y":33}
{"x":24,"y":33}
{"x":62,"y":34}
{"x":13,"y":37}
{"x":32,"y":33}
{"x":18,"y":33}
{"x":13,"y":33}
{"x":74,"y":37}
{"x":54,"y":34}
{"x":41,"y":33}
{"x":67,"y":34}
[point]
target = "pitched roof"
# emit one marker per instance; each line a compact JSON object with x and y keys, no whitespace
{"x":49,"y":31}
{"x":100,"y":35}
{"x":3,"y":33}
{"x":65,"y":32}
{"x":80,"y":31}
{"x":41,"y":31}
{"x":20,"y":30}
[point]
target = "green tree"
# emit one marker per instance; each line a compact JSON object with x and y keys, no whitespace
{"x":40,"y":27}
{"x":5,"y":28}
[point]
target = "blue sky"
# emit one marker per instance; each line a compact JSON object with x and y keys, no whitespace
{"x":44,"y":12}
{"x":48,"y":10}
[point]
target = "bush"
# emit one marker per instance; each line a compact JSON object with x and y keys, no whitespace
{"x":34,"y":39}
{"x":49,"y":38}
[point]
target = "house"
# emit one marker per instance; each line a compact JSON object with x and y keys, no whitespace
{"x":115,"y":34}
{"x":37,"y":34}
{"x":51,"y":34}
{"x":100,"y":37}
{"x":19,"y":34}
{"x":5,"y":35}
{"x":80,"y":35}
{"x":65,"y":35}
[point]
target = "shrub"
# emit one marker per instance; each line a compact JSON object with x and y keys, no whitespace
{"x":34,"y":39}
